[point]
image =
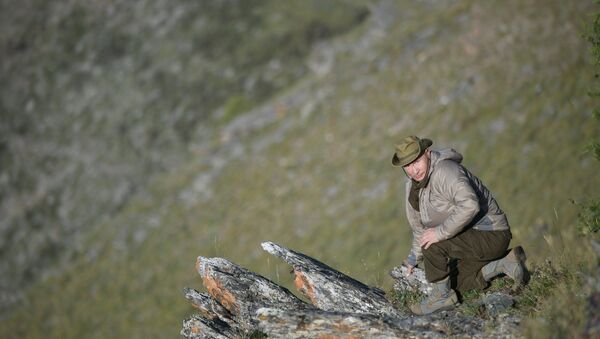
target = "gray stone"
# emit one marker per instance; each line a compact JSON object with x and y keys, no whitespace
{"x":416,"y":280}
{"x":497,"y":303}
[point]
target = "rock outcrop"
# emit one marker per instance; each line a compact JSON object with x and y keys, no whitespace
{"x":241,"y":303}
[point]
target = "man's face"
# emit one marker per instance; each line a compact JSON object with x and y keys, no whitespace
{"x":417,"y":170}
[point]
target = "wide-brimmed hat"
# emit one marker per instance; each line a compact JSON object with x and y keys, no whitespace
{"x":409,"y":149}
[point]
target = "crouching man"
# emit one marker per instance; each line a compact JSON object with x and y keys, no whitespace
{"x":459,"y":231}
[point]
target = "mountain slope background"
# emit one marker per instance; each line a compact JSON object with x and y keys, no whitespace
{"x":100,"y":97}
{"x":304,"y":162}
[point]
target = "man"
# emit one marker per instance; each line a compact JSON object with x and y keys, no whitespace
{"x":459,"y":231}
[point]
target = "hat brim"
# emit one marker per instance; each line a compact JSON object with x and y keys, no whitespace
{"x":395,"y":160}
{"x":425,"y":143}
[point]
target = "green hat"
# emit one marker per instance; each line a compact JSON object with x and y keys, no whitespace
{"x":409,"y":149}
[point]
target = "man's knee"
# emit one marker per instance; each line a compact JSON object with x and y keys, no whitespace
{"x":434,"y":250}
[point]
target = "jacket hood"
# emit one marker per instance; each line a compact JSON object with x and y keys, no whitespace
{"x":440,"y":154}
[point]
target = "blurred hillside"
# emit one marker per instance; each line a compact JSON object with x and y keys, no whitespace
{"x":98,"y":97}
{"x":137,"y":137}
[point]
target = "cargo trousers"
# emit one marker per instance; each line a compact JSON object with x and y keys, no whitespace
{"x":462,"y":257}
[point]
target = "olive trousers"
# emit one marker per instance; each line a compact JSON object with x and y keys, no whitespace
{"x":462,"y":257}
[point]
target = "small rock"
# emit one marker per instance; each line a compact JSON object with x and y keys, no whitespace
{"x":497,"y":303}
{"x":416,"y":280}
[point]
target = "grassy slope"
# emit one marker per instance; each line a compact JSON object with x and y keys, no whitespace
{"x":98,"y":97}
{"x":502,"y":82}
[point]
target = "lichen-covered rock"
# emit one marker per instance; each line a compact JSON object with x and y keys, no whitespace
{"x":329,"y":289}
{"x":197,"y":327}
{"x":241,"y":303}
{"x":276,"y":323}
{"x":415,"y":281}
{"x":240,"y":292}
{"x":210,"y":308}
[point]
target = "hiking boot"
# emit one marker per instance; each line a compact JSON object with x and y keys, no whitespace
{"x":513,"y":265}
{"x":442,"y":298}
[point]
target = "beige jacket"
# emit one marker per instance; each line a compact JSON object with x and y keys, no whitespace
{"x":453,"y":200}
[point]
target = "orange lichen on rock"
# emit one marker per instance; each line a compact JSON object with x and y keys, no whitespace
{"x":216,"y":290}
{"x":222,"y":295}
{"x":303,"y":285}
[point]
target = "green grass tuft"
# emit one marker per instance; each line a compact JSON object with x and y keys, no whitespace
{"x":589,"y":218}
{"x":544,"y":279}
{"x":403,"y":299}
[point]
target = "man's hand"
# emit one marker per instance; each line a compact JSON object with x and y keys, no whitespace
{"x":428,"y":238}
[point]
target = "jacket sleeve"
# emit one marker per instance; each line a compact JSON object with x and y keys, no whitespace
{"x":455,"y":186}
{"x":414,"y":219}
